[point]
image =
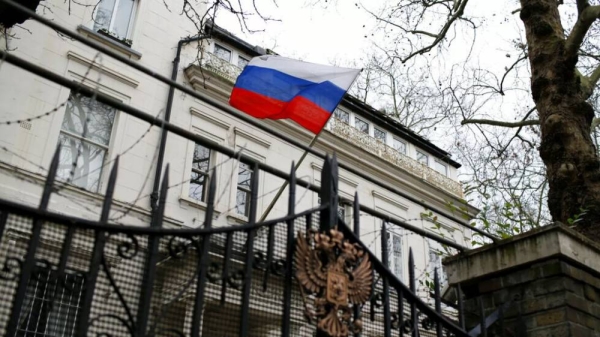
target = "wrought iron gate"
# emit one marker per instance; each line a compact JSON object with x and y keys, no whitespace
{"x":66,"y":276}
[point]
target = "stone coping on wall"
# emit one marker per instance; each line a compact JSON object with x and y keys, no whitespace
{"x":553,"y":241}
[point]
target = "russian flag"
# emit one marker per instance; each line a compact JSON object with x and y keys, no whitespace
{"x":276,"y":87}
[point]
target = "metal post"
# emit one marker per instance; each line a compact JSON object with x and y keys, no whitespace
{"x":387,"y":323}
{"x":289,"y":268}
{"x":244,"y":321}
{"x":29,"y":260}
{"x":329,"y":188}
{"x":97,"y":256}
{"x":150,"y":268}
{"x":203,"y":250}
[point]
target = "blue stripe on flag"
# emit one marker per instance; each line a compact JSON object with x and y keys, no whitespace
{"x":283,"y":87}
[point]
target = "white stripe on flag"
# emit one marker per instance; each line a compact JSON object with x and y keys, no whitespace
{"x":317,"y":73}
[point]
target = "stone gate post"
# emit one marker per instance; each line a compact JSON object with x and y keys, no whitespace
{"x":548,"y":281}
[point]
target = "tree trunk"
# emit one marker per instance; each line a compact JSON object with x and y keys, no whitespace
{"x":566,"y":148}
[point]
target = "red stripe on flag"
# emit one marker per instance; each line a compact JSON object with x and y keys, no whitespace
{"x":254,"y":104}
{"x":307,"y":114}
{"x":299,"y":109}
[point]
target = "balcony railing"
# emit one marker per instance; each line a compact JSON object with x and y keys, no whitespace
{"x":220,"y":67}
{"x":391,"y":155}
{"x":230,"y":72}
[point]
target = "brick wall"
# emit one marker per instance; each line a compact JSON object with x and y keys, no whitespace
{"x":556,"y":292}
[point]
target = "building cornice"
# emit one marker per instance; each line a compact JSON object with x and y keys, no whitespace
{"x":71,"y":55}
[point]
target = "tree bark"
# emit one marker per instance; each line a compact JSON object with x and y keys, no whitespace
{"x":565,"y":119}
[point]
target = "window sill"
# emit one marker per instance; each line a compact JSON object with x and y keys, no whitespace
{"x":237,"y":218}
{"x":132,"y":54}
{"x":196,"y":204}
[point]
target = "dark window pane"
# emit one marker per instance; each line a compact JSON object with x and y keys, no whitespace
{"x":342,"y":115}
{"x":201,"y":160}
{"x":89,"y":160}
{"x":400,"y":146}
{"x":242,"y":62}
{"x":397,"y":254}
{"x":242,"y":202}
{"x":441,"y":168}
{"x":51,"y":306}
{"x":222,"y":53}
{"x":120,"y":25}
{"x":197,"y":186}
{"x":422,"y":158}
{"x":82,"y":112}
{"x":342,"y":212}
{"x":379,"y":134}
{"x":361,"y":125}
{"x":244,"y":176}
{"x":104,"y":14}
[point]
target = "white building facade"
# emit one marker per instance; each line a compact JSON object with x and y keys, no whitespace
{"x":92,"y":134}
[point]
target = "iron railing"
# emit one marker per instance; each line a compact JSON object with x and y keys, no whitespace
{"x":388,"y":153}
{"x":210,"y":281}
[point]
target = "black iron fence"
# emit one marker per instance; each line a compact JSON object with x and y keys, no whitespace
{"x":65,"y":276}
{"x":303,"y":274}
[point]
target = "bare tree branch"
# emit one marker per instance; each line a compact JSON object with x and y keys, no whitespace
{"x":584,"y":22}
{"x":500,"y":123}
{"x":501,"y":90}
{"x":592,"y":80}
{"x":582,"y":5}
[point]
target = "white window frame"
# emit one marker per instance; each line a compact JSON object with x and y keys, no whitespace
{"x":108,"y":147}
{"x":396,"y":264}
{"x":248,"y":191}
{"x":217,"y":45}
{"x":131,"y":19}
{"x":426,"y":163}
{"x":435,"y":263}
{"x":340,"y":111}
{"x":211,"y":157}
{"x":240,"y":57}
{"x":396,"y":139}
{"x":439,"y":163}
{"x":375,"y":129}
{"x":356,"y":118}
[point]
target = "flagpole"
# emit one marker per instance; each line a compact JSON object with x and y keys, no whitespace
{"x":286,"y":183}
{"x":312,"y":142}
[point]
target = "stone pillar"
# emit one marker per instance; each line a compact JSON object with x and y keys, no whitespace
{"x":548,"y":279}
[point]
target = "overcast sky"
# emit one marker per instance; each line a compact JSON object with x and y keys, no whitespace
{"x":344,"y":32}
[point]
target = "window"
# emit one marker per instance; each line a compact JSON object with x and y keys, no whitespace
{"x":223,"y":53}
{"x":84,"y":138}
{"x":399,"y":145}
{"x":441,"y":168}
{"x":242,"y":62}
{"x":395,"y":253}
{"x":115,"y":17}
{"x":361,"y":125}
{"x":50,"y":308}
{"x":422,"y":158}
{"x":242,"y":202}
{"x":200,"y":170}
{"x":435,"y":262}
{"x":342,"y":115}
{"x":379,"y":135}
{"x":342,"y":211}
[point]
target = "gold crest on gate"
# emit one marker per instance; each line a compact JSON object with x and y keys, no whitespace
{"x":337,"y":288}
{"x":339,"y":276}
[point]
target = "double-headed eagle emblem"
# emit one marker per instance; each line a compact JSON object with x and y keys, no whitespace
{"x":338,"y":274}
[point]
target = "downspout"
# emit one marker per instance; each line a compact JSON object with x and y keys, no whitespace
{"x":163,"y":138}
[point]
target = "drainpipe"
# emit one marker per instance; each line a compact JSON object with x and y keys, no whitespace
{"x":163,"y":138}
